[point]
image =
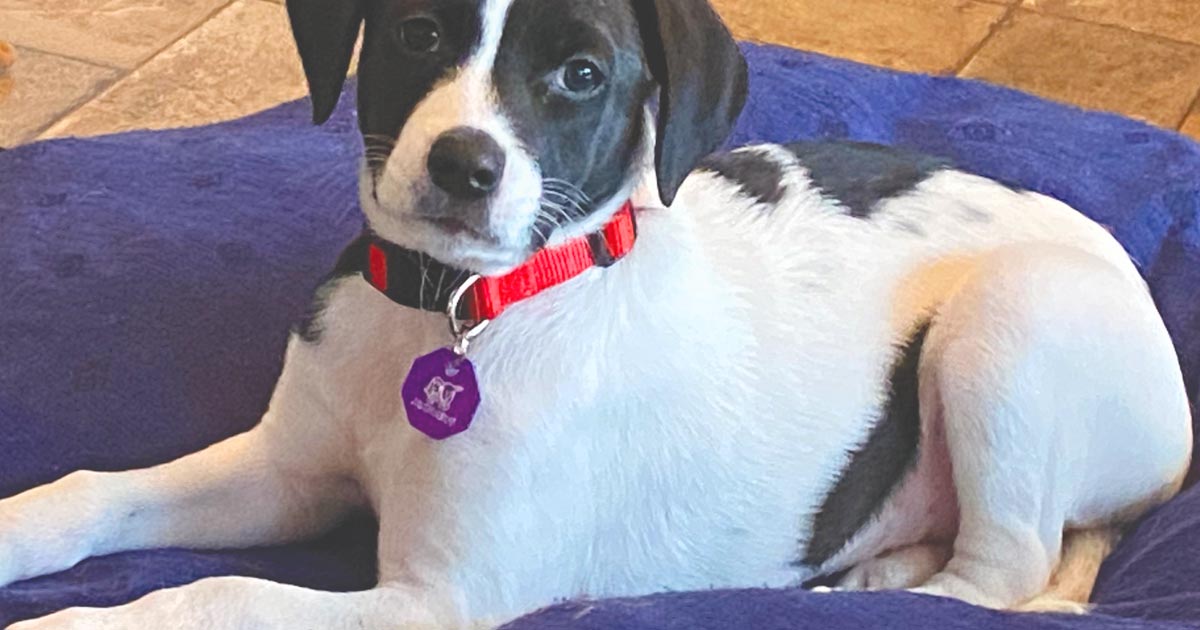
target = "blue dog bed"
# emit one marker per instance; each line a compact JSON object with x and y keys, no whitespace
{"x":148,"y":281}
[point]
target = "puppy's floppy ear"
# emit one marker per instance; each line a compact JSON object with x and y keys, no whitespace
{"x":325,"y":32}
{"x":703,"y":80}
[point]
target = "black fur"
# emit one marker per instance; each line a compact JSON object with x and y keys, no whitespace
{"x":878,"y":466}
{"x":591,"y":142}
{"x":860,"y":175}
{"x":758,"y":177}
{"x":348,"y":264}
{"x":325,"y":32}
{"x":392,"y":80}
{"x":704,"y":81}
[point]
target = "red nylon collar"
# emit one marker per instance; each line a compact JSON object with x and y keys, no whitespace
{"x":549,"y":268}
{"x":389,"y":268}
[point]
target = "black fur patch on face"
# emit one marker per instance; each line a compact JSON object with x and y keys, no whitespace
{"x":348,"y":263}
{"x":394,"y":79}
{"x":758,"y":176}
{"x":860,"y":175}
{"x":585,"y":145}
{"x":878,"y":466}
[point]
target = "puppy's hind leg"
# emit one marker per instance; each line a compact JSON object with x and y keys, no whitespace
{"x":1047,"y":366}
{"x":1071,"y":587}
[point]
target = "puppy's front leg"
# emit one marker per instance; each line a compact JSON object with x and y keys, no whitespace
{"x":237,"y":603}
{"x":277,"y":483}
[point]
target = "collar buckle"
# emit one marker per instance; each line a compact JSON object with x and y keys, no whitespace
{"x":464,"y":331}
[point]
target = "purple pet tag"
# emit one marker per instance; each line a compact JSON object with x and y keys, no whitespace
{"x":441,"y":394}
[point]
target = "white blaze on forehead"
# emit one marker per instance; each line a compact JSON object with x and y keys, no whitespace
{"x":473,"y":83}
{"x":470,"y":94}
{"x":494,"y":15}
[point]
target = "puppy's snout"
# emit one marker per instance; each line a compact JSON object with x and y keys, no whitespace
{"x":467,"y":163}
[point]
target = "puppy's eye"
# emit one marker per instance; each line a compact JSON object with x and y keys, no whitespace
{"x":420,"y":35}
{"x":581,"y":77}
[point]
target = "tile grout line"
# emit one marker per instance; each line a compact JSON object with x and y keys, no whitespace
{"x":105,"y":89}
{"x":1194,"y":103}
{"x":51,"y":53}
{"x":1162,"y":39}
{"x":974,"y":51}
{"x":1192,"y":108}
{"x":119,"y":73}
{"x":208,"y":18}
{"x":35,"y":134}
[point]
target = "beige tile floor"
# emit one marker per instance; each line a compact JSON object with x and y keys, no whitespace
{"x":90,"y":67}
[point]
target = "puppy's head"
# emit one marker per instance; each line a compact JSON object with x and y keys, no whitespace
{"x":495,"y":126}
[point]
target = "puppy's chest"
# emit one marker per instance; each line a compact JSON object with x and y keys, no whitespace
{"x":609,"y":354}
{"x":566,"y":368}
{"x":625,"y":425}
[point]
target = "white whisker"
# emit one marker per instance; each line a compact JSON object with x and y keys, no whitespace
{"x":563,"y":218}
{"x":578,"y":206}
{"x":568,"y":187}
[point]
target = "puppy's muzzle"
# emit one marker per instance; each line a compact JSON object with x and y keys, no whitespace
{"x":466,"y":163}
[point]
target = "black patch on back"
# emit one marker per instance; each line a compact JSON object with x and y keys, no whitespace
{"x":879,"y":465}
{"x":758,"y":176}
{"x":591,"y":144}
{"x":348,"y":263}
{"x":860,"y":175}
{"x":393,"y":80}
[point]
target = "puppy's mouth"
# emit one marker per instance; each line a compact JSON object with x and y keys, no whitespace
{"x":455,"y":228}
{"x":485,"y":236}
{"x":452,"y":240}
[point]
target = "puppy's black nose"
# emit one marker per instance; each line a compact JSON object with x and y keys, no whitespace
{"x":467,"y":163}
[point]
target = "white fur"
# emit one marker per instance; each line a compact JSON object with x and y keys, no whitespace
{"x":675,"y":421}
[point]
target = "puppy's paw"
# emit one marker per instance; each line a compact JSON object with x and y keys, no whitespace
{"x":900,"y":569}
{"x":953,"y":587}
{"x":1051,"y":604}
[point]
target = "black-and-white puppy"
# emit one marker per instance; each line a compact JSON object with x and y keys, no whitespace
{"x":819,"y":358}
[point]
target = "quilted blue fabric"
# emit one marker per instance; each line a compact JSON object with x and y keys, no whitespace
{"x":148,"y":281}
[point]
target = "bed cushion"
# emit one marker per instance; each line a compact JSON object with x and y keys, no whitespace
{"x":148,"y":281}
